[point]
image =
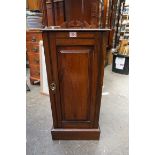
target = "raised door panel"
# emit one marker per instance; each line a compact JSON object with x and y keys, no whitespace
{"x":75,"y":72}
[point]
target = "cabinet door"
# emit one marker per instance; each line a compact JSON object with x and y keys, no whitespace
{"x":75,"y":74}
{"x":76,"y":86}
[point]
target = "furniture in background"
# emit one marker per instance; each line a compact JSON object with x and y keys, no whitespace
{"x":100,"y":13}
{"x":56,"y":12}
{"x":34,"y":5}
{"x":112,"y":22}
{"x":32,"y":45}
{"x":97,"y":13}
{"x":33,"y":36}
{"x":123,"y":34}
{"x":121,"y":56}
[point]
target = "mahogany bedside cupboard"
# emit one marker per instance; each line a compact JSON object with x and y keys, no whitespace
{"x":75,"y":69}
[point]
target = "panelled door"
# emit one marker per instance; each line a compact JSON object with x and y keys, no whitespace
{"x":75,"y":73}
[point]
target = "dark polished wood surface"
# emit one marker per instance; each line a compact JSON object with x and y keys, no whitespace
{"x":75,"y":69}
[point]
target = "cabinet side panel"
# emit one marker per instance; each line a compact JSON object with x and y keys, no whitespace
{"x":49,"y":75}
{"x":101,"y":48}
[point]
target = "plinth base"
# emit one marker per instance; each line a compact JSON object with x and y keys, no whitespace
{"x":75,"y":134}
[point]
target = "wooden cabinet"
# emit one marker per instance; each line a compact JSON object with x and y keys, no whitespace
{"x":75,"y":69}
{"x":32,"y":44}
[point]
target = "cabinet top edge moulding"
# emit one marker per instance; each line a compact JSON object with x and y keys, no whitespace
{"x":74,"y":29}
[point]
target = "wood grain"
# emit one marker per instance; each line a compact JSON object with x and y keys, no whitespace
{"x":74,"y":66}
{"x":75,"y":134}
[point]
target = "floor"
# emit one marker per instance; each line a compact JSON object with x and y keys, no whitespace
{"x":114,"y":121}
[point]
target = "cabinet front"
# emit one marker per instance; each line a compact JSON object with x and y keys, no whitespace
{"x":72,"y":75}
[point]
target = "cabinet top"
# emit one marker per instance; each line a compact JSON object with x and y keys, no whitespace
{"x":60,"y":29}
